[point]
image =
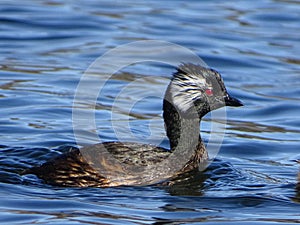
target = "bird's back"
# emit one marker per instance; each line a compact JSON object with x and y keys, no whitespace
{"x":72,"y":168}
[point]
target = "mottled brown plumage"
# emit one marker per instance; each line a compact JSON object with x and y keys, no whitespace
{"x":72,"y":169}
{"x":298,"y":182}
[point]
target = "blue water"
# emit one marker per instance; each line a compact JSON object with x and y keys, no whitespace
{"x":45,"y":47}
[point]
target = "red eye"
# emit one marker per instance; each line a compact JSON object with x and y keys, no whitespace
{"x":209,"y":92}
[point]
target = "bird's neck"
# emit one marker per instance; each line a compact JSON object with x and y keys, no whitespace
{"x":183,"y":131}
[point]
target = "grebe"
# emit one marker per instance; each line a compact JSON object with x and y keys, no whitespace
{"x":193,"y":92}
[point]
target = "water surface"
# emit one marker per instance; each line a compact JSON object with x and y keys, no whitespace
{"x":46,"y":46}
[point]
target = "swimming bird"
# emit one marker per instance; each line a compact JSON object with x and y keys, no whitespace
{"x":193,"y":91}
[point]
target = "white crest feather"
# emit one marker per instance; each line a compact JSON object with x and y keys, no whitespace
{"x":185,"y":91}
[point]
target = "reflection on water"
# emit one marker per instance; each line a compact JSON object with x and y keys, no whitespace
{"x":46,"y":46}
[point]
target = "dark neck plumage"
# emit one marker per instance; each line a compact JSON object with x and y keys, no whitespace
{"x":183,"y":130}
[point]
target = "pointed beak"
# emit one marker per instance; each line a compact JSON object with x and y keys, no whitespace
{"x":231,"y":101}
